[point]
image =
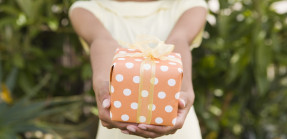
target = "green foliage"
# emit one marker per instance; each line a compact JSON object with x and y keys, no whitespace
{"x":41,"y":59}
{"x":240,"y":72}
{"x":20,"y":117}
{"x":37,"y":38}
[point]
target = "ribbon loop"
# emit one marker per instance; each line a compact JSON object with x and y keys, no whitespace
{"x":151,"y":46}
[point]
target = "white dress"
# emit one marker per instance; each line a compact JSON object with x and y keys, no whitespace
{"x":125,"y":21}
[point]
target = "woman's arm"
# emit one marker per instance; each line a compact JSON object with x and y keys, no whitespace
{"x":182,"y":35}
{"x":102,"y":50}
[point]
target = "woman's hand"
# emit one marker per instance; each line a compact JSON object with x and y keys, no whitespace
{"x":153,"y":131}
{"x":101,"y":89}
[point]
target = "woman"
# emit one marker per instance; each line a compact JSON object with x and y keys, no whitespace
{"x":101,"y":23}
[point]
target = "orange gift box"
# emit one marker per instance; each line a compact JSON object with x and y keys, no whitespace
{"x":144,"y":89}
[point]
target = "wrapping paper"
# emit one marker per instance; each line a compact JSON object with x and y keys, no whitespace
{"x":145,"y":89}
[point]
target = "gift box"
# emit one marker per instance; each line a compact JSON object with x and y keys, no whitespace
{"x":145,"y":85}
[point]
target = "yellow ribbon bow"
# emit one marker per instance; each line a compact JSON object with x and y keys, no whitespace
{"x":150,"y":47}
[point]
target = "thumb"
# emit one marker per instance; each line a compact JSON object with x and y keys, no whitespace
{"x":106,"y":103}
{"x":181,"y":103}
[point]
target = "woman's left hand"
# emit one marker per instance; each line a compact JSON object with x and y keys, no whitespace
{"x":153,"y":131}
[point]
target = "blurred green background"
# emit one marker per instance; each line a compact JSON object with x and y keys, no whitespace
{"x":239,"y":72}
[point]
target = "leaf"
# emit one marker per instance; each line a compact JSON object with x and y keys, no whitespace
{"x":0,"y":75}
{"x":18,"y":60}
{"x":11,"y":79}
{"x":238,"y":63}
{"x":12,"y":10}
{"x":263,"y":59}
{"x":53,"y":25}
{"x":6,"y":133}
{"x":42,"y":83}
{"x":26,"y":7}
{"x":22,"y":128}
{"x":24,"y":84}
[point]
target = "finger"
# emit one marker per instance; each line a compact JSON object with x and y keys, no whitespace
{"x":106,"y":103}
{"x":134,"y":130}
{"x":122,"y":125}
{"x":181,"y":115}
{"x":114,"y":124}
{"x":102,"y":91}
{"x":104,"y":111}
{"x":125,"y":131}
{"x":181,"y":103}
{"x":156,"y":129}
{"x":186,"y":99}
{"x":106,"y":124}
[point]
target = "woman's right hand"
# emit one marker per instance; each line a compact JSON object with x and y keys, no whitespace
{"x":101,"y":89}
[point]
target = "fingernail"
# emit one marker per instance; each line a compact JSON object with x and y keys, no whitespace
{"x":131,"y":129}
{"x":143,"y":127}
{"x":125,"y":131}
{"x":106,"y":103}
{"x":183,"y":102}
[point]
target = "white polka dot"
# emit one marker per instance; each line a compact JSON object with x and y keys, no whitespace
{"x":134,"y":105}
{"x":138,"y":60}
{"x":144,"y":93}
{"x":121,"y":58}
{"x":180,"y":70}
{"x":168,"y":108}
{"x":111,"y":115}
{"x":129,"y":65}
{"x":177,"y":95}
{"x":158,"y":120}
{"x":171,"y":82}
{"x":147,"y":66}
{"x":112,"y":89}
{"x":136,"y":79}
{"x":172,"y":63}
{"x":127,"y":92}
{"x":114,"y":64}
{"x":156,"y":61}
{"x":125,"y":117}
{"x":174,"y":121}
{"x":142,"y":119}
{"x":171,"y":56}
{"x":161,"y":95}
{"x":151,"y":107}
{"x":155,"y":81}
{"x":163,"y":68}
{"x":119,"y":77}
{"x":117,"y":104}
{"x":122,"y":52}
